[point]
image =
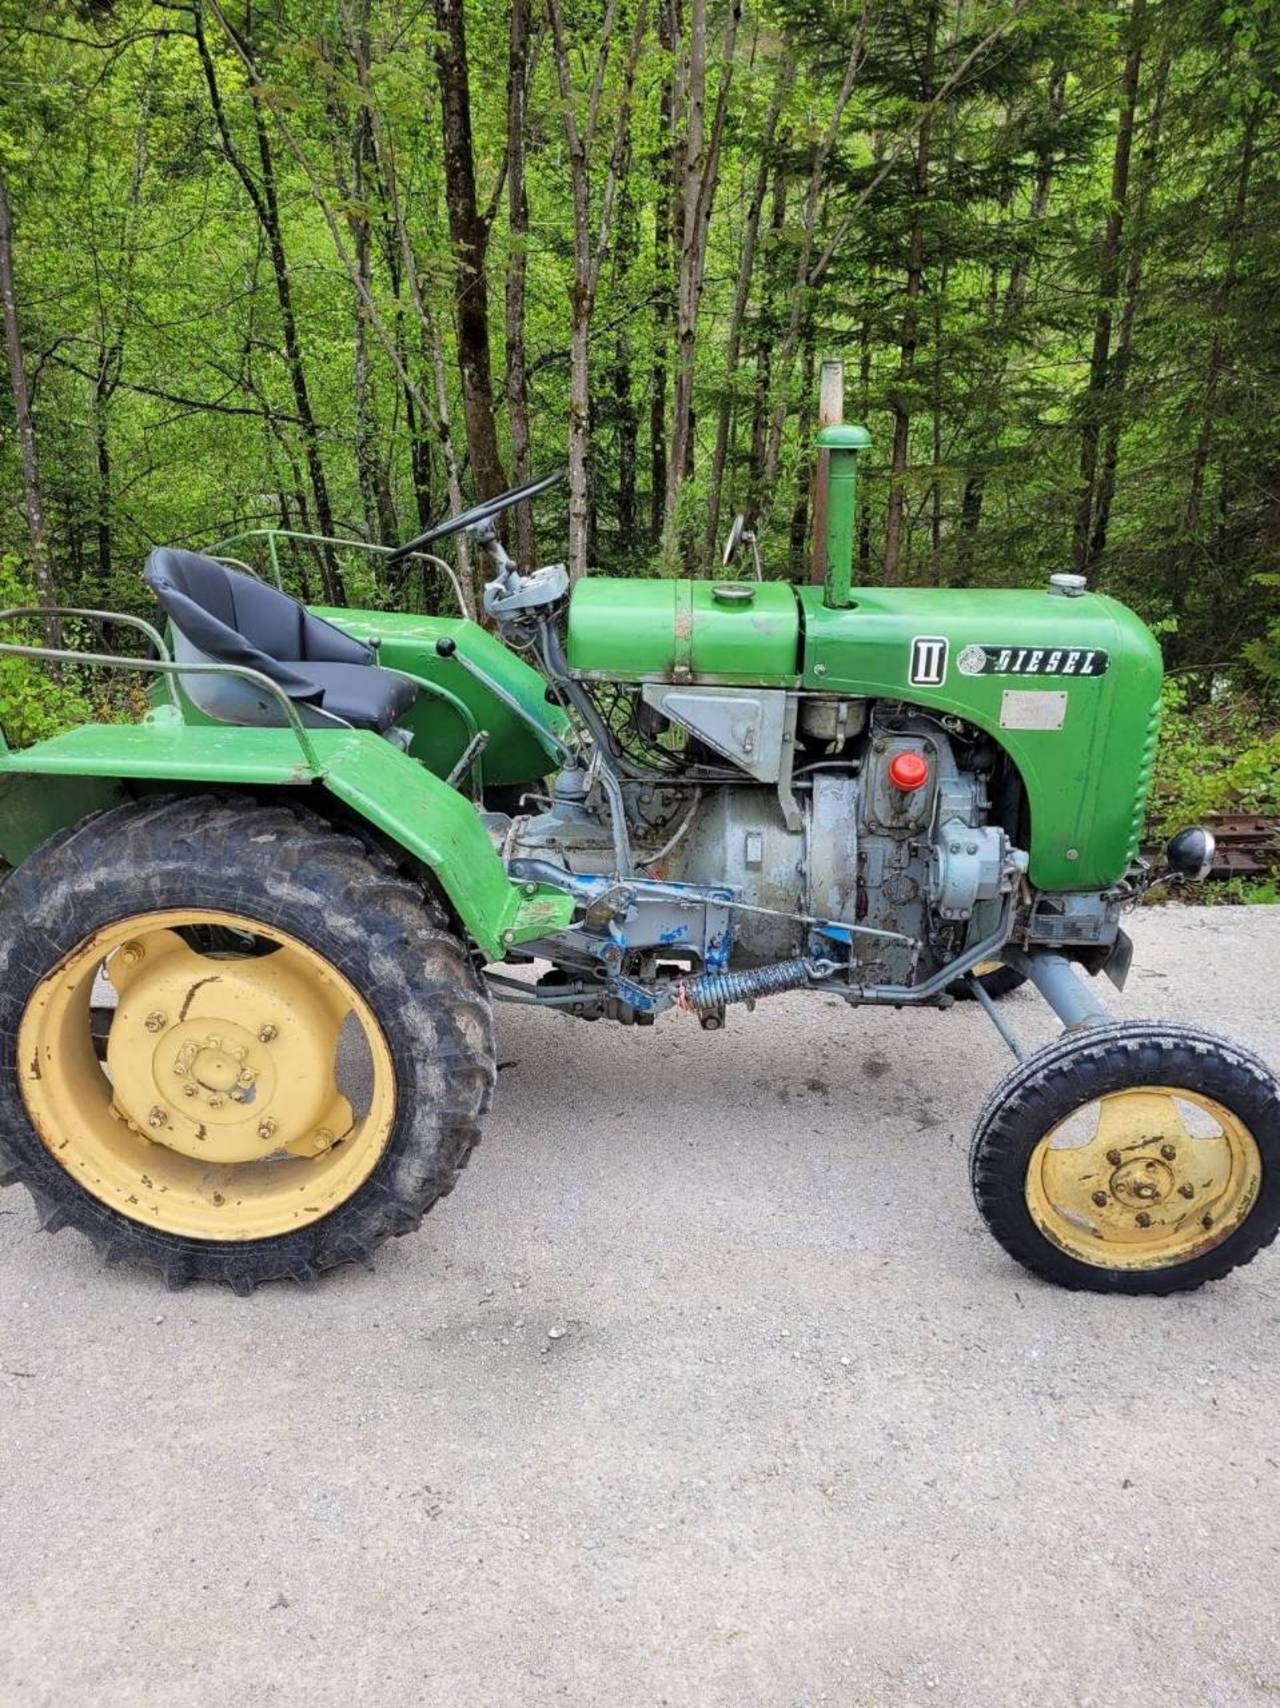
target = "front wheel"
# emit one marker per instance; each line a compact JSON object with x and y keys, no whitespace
{"x":235,"y":1043}
{"x":1137,"y":1158}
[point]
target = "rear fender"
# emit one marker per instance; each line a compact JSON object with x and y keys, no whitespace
{"x":58,"y":782}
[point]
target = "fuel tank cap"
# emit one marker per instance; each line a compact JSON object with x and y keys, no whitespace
{"x":733,"y":592}
{"x":1069,"y":586}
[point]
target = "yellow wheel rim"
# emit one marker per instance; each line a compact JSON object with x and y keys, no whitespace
{"x":1164,"y":1175}
{"x":216,"y":1111}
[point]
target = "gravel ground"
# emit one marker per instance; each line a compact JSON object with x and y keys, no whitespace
{"x":706,"y":1387}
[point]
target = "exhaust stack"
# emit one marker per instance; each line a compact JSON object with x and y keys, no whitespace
{"x":842,"y":444}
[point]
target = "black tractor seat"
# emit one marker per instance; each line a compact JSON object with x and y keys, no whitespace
{"x":220,"y":616}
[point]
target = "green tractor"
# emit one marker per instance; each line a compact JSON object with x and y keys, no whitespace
{"x":249,"y":945}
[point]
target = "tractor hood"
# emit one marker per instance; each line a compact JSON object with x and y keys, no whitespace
{"x":736,"y":632}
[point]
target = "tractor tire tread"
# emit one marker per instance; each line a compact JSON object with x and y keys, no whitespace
{"x":283,"y":864}
{"x":1071,"y":1072}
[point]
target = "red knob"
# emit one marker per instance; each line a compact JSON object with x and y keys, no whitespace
{"x":908,"y":772}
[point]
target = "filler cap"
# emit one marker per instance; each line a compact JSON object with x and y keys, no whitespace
{"x":908,"y":771}
{"x":1068,"y":586}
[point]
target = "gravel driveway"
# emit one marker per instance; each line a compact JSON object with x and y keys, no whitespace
{"x":706,"y":1387}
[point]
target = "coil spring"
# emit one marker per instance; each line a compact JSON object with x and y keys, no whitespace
{"x":716,"y":990}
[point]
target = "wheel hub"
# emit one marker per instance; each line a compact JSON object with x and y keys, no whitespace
{"x":226,"y":1060}
{"x":1144,"y":1192}
{"x":1144,"y":1181}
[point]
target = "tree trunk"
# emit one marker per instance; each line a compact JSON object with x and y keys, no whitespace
{"x":663,"y":296}
{"x":742,"y":296}
{"x":1213,"y":377}
{"x":27,"y":448}
{"x":801,"y":286}
{"x":626,"y":415}
{"x":766,"y":327}
{"x":469,"y":231}
{"x":588,"y":252}
{"x":262,"y":198}
{"x":910,"y":335}
{"x":1108,"y":289}
{"x":1015,"y":297}
{"x":1119,"y":367}
{"x":517,"y":374}
{"x":699,"y":177}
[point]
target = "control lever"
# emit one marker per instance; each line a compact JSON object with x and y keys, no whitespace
{"x":447,"y":647}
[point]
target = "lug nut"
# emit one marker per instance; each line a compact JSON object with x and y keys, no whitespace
{"x":1168,"y":1152}
{"x":216,"y":1102}
{"x":157,"y":1117}
{"x":132,"y":953}
{"x":1114,"y":1158}
{"x":266,"y":1129}
{"x":191,"y":1091}
{"x":267,"y":1033}
{"x":1187,"y":1191}
{"x":155,"y":1022}
{"x":1144,"y":1220}
{"x":1099,"y":1199}
{"x":1206,"y":1221}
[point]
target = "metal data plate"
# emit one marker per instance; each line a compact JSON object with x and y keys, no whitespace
{"x":1032,"y":708}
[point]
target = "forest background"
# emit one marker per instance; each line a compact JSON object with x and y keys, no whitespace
{"x":342,"y":266}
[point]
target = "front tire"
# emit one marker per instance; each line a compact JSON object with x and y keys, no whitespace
{"x":1135,"y":1158}
{"x":296,"y":1065}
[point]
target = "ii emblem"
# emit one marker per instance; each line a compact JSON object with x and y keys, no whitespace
{"x":928,"y":661}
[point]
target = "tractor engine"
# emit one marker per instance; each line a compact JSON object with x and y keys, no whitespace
{"x":867,"y":831}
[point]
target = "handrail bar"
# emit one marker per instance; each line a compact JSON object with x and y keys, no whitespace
{"x":171,"y":668}
{"x":271,"y":535}
{"x":126,"y":619}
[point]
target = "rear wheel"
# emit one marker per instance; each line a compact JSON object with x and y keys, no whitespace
{"x":276,"y":1063}
{"x":1138,"y":1158}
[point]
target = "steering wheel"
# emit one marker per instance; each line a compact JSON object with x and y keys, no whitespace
{"x":478,"y":513}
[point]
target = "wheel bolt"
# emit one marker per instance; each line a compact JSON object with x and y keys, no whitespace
{"x":1206,"y":1221}
{"x":157,"y":1117}
{"x":1187,"y":1191}
{"x":1099,"y":1199}
{"x":1168,"y":1152}
{"x":155,"y":1022}
{"x":266,"y":1034}
{"x":191,"y":1091}
{"x":1114,"y":1158}
{"x":132,"y":953}
{"x":1144,"y":1220}
{"x":266,"y":1129}
{"x":216,"y":1102}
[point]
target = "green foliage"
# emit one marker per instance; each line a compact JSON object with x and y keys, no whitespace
{"x":970,"y":265}
{"x":37,"y":702}
{"x":1217,"y":755}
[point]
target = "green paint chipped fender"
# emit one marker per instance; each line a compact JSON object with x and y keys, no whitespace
{"x":415,"y":808}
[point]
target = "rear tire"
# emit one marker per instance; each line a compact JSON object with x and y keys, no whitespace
{"x":343,"y":906}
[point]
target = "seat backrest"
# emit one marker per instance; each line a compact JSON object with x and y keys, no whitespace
{"x":235,"y":619}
